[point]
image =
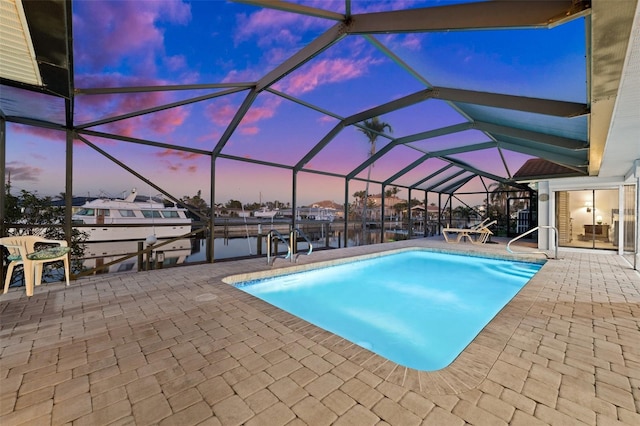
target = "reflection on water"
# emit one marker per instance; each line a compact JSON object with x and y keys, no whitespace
{"x":194,"y":250}
{"x":120,"y":256}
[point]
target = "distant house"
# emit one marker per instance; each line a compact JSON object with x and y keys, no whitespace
{"x":417,"y":212}
{"x":231,"y":212}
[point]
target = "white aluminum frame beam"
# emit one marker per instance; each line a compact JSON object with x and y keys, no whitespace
{"x":471,"y":16}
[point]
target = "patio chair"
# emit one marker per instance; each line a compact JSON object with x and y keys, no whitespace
{"x":481,"y":232}
{"x":32,"y":252}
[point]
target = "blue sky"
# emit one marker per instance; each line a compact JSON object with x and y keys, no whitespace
{"x":141,"y":43}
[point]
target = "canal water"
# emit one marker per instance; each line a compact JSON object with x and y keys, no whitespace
{"x":120,"y":256}
{"x":194,"y":250}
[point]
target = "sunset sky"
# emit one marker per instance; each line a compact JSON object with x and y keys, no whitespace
{"x":155,"y":43}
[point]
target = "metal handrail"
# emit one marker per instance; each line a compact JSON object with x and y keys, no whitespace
{"x":270,"y":235}
{"x":529,"y":232}
{"x":293,"y":238}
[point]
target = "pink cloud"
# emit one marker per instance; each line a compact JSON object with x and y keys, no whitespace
{"x":268,"y":21}
{"x":165,"y":122}
{"x":96,"y":140}
{"x":323,"y":72}
{"x":411,"y":42}
{"x":249,"y":130}
{"x":39,"y":156}
{"x":20,"y":171}
{"x":185,"y":160}
{"x":258,"y":112}
{"x":184,"y":155}
{"x":275,"y":29}
{"x":331,"y":5}
{"x":382,"y":5}
{"x":41,"y":132}
{"x":123,"y":30}
{"x":175,"y":63}
{"x":177,"y":167}
{"x":158,"y":123}
{"x":116,"y":104}
{"x":241,"y":76}
{"x":266,"y":110}
{"x":209,"y":137}
{"x":326,"y":119}
{"x":220,"y":114}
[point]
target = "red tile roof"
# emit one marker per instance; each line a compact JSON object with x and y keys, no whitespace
{"x":541,"y":168}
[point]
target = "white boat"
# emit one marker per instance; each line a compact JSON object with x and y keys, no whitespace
{"x":139,"y":220}
{"x":322,"y":213}
{"x":267,"y":213}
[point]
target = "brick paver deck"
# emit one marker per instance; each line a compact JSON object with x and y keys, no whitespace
{"x":180,"y":346}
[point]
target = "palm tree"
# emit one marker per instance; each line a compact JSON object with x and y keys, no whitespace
{"x":372,"y":129}
{"x":392,"y":192}
{"x":359,"y":198}
{"x":463,"y":212}
{"x":499,"y":196}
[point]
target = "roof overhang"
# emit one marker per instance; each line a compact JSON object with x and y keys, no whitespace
{"x":608,"y":47}
{"x":17,"y":55}
{"x":35,"y":45}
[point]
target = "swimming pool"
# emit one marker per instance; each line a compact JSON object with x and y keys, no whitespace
{"x":417,"y":308}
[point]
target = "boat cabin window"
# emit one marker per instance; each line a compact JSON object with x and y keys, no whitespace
{"x":104,"y":212}
{"x":127,"y":213}
{"x":170,"y":214}
{"x":151,"y":214}
{"x":86,"y":212}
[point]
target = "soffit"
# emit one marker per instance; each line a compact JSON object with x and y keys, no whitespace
{"x":17,"y":56}
{"x":623,"y":140}
{"x":34,"y":57}
{"x":610,"y":45}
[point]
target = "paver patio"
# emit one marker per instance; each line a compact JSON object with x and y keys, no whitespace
{"x":180,"y":346}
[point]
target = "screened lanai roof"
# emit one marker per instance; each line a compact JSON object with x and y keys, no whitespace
{"x":471,"y":90}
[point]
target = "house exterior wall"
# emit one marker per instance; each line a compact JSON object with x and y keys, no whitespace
{"x":547,"y":202}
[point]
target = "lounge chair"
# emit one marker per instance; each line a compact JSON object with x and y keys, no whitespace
{"x":27,"y":250}
{"x":477,"y":234}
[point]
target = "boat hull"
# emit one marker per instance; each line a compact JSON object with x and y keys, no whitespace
{"x":107,"y":219}
{"x":121,"y":233}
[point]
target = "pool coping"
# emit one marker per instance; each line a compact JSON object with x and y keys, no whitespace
{"x":466,"y":372}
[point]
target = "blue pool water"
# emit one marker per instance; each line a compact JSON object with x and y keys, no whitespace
{"x":419,"y":309}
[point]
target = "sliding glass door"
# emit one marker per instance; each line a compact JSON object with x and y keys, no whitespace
{"x":588,"y":218}
{"x":629,"y":219}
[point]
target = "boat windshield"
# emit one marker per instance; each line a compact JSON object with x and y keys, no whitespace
{"x":151,"y":213}
{"x":86,"y":212}
{"x":170,"y":214}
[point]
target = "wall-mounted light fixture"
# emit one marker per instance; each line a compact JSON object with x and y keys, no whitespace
{"x":588,"y":206}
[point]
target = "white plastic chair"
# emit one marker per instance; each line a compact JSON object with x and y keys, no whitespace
{"x":22,"y":251}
